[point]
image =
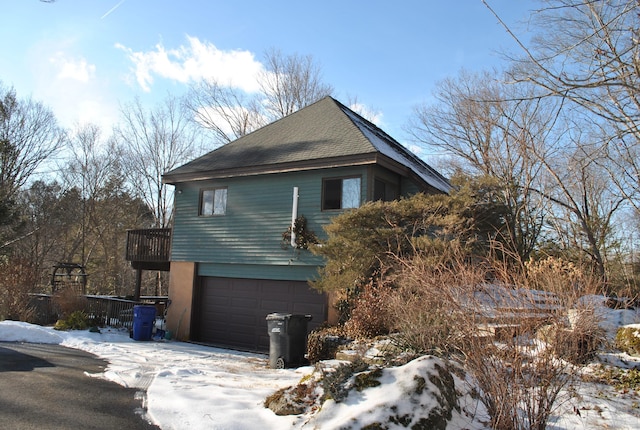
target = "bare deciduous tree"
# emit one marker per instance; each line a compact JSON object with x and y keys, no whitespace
{"x":104,"y":210}
{"x":226,"y":112}
{"x":290,"y":83}
{"x":29,"y":135}
{"x":584,"y":198}
{"x":89,"y":170}
{"x":489,"y":131}
{"x":92,"y":161}
{"x":51,"y":214}
{"x":287,"y":84}
{"x":153,"y":142}
{"x":588,"y":53}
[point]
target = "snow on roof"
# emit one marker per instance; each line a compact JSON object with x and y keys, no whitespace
{"x":387,"y":146}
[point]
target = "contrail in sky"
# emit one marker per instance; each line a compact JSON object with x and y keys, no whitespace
{"x":112,"y":9}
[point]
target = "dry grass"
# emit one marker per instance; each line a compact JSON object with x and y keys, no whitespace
{"x":489,"y":317}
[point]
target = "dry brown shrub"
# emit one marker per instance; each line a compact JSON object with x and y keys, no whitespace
{"x":567,"y":280}
{"x":67,"y":300}
{"x":427,"y":307}
{"x":370,"y":312}
{"x":628,"y":340}
{"x":575,"y":330}
{"x":17,"y":280}
{"x":448,"y":307}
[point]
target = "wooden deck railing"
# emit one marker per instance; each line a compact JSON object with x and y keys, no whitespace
{"x":102,"y":310}
{"x":149,"y":245}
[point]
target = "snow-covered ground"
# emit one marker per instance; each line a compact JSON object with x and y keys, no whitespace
{"x":197,"y":387}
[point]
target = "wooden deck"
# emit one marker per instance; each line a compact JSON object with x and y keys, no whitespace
{"x":149,"y":249}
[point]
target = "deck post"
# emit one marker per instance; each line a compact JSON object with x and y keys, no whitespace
{"x":136,"y":294}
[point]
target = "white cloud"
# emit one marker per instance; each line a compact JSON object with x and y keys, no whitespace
{"x":77,"y":69}
{"x":69,"y":86}
{"x":75,"y":103}
{"x":367,"y":112}
{"x":193,"y":62}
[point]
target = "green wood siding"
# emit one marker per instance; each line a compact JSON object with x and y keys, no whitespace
{"x":408,"y":188}
{"x":288,"y":272}
{"x":258,"y":212}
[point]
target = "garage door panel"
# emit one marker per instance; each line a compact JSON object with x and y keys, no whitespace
{"x":270,"y":306}
{"x":232,"y":312}
{"x":244,"y":302}
{"x":282,"y":293}
{"x":239,"y":288}
{"x":217,"y":309}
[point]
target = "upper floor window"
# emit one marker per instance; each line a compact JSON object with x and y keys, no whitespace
{"x":384,"y":191}
{"x":213,"y":201}
{"x":343,"y":193}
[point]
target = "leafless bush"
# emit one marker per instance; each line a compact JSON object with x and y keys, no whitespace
{"x":568,"y":281}
{"x":449,"y":308}
{"x":427,"y":303}
{"x":370,"y":312}
{"x":574,"y":332}
{"x":68,"y":301}
{"x":17,"y":280}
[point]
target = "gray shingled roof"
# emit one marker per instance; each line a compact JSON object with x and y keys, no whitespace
{"x":323,"y":134}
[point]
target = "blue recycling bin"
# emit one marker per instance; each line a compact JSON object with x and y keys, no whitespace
{"x":144,"y":318}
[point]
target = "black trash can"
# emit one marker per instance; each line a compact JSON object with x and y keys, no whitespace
{"x":287,"y":339}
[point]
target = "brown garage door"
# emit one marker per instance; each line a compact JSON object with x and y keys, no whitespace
{"x":231,"y":312}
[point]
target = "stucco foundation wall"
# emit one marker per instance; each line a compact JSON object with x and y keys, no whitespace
{"x":181,"y":282}
{"x":332,"y":313}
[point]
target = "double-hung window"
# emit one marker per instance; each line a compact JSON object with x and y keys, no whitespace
{"x":213,"y":201}
{"x":341,"y":193}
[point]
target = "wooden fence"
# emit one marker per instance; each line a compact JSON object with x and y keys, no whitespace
{"x":103,"y":310}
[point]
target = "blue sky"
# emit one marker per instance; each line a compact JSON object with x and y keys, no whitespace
{"x":82,"y":58}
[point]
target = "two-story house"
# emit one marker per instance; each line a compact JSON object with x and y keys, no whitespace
{"x":229,"y":268}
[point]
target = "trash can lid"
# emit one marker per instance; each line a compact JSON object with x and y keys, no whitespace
{"x":301,"y":317}
{"x":278,"y":316}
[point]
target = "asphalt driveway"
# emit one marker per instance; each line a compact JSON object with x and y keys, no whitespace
{"x":47,"y":387}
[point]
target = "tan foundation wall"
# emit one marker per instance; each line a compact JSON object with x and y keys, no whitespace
{"x":181,"y":285}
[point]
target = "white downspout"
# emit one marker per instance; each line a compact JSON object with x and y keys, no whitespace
{"x":294,"y":215}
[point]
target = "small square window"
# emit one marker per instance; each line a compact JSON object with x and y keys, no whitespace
{"x":340,"y":193}
{"x":213,"y":202}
